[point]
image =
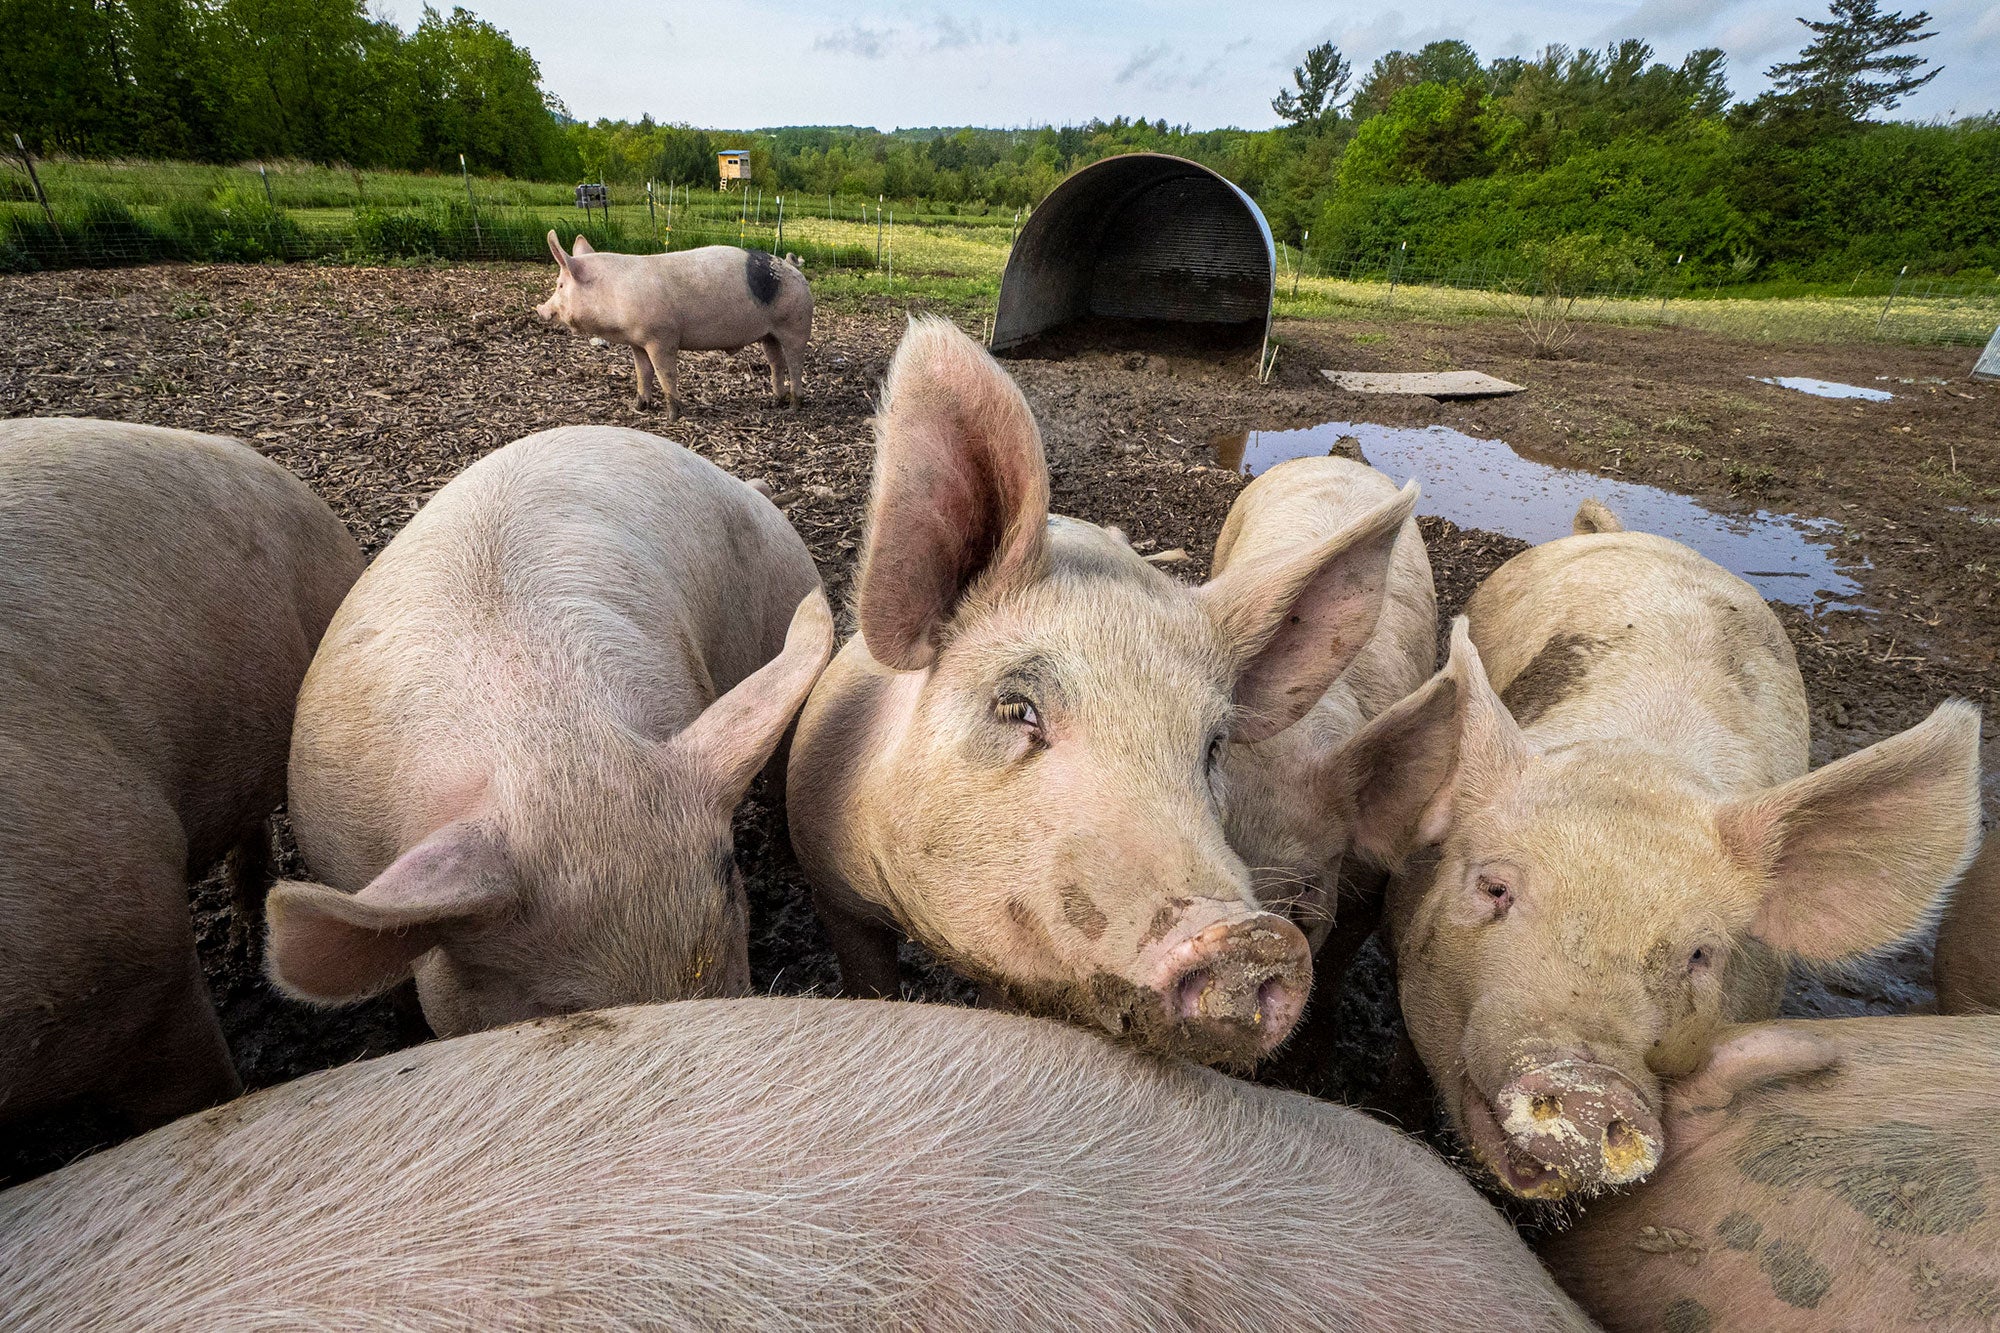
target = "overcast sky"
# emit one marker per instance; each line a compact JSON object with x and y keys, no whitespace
{"x":1030,"y":62}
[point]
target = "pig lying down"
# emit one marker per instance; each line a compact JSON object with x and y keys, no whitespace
{"x":161,"y":593}
{"x":1609,"y":845}
{"x":768,"y":1165}
{"x":519,"y":749}
{"x":1017,"y":760}
{"x":1826,"y":1176}
{"x":713,"y":299}
{"x":1287,"y":811}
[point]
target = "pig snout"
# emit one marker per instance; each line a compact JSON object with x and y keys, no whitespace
{"x":1565,"y":1127}
{"x":1238,"y":985}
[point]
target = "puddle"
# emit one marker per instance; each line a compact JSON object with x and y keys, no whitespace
{"x":1485,"y":484}
{"x":1825,"y":388}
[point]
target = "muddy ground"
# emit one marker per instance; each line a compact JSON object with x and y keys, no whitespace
{"x":377,"y":386}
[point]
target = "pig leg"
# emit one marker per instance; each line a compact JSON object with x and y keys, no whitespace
{"x":666,"y":359}
{"x":774,"y":351}
{"x":642,"y":369}
{"x":866,"y":951}
{"x":795,"y":361}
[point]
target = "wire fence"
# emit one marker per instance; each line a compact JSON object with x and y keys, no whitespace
{"x":66,"y":214}
{"x":1892,"y":307}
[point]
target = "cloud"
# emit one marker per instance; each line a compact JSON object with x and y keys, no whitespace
{"x":1146,"y":58}
{"x":855,"y":40}
{"x":951,"y":33}
{"x":1666,"y":18}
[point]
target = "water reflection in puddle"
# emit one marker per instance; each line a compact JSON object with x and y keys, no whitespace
{"x":1824,"y":388}
{"x":1485,"y":484}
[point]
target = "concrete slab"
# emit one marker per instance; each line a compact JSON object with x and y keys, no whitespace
{"x":1423,"y":383}
{"x":1989,"y":360}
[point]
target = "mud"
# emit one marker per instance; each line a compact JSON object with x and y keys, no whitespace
{"x":378,"y":386}
{"x":1902,"y":1177}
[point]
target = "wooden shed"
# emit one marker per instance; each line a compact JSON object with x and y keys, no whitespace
{"x":732,"y":164}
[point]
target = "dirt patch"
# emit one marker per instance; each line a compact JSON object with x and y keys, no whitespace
{"x":378,"y":386}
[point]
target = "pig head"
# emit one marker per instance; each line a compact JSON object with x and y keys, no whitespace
{"x":1573,"y":924}
{"x":1017,"y":760}
{"x":601,"y":872}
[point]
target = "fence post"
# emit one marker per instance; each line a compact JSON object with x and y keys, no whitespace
{"x":28,"y":160}
{"x":652,"y":213}
{"x":1303,"y":238}
{"x":781,"y":224}
{"x":1396,"y":270}
{"x":1893,"y":291}
{"x":892,"y":247}
{"x":1667,"y":288}
{"x":477,"y":239}
{"x":878,"y":230}
{"x":265,"y":176}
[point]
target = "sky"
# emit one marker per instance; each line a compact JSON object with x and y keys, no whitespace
{"x":754,"y":63}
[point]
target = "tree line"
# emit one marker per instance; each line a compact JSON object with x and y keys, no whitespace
{"x":1457,"y":158}
{"x":229,"y":80}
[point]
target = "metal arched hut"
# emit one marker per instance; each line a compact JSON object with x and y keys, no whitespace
{"x":1141,"y":249}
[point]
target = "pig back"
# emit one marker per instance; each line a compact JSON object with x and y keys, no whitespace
{"x":165,"y":590}
{"x":769,"y":1164}
{"x":582,"y":577}
{"x":1863,"y":1196}
{"x":1633,"y":635}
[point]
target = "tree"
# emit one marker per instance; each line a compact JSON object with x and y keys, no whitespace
{"x":1836,"y":72}
{"x":1448,"y":61}
{"x":1322,"y":85}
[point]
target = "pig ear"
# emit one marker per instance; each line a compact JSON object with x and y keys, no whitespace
{"x":330,"y":947}
{"x":736,"y":734}
{"x":583,"y":246}
{"x":961,"y":492}
{"x":1296,"y":624}
{"x":1854,"y":856}
{"x":555,"y":248}
{"x":1404,"y":777}
{"x":1748,"y":1058}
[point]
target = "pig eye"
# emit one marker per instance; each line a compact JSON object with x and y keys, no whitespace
{"x":1214,"y":753}
{"x":1496,"y":894}
{"x":1701,"y":959}
{"x":1013,"y":708}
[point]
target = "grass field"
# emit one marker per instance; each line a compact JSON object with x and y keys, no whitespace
{"x":124,"y":212}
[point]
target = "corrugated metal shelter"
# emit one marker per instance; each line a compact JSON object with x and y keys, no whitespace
{"x":1143,"y":237}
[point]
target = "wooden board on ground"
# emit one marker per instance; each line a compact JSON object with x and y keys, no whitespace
{"x":1988,"y":367}
{"x":1426,"y":383}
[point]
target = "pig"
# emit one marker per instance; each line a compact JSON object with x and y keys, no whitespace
{"x":716,"y":298}
{"x":1016,"y":761}
{"x":1967,"y":962}
{"x":1607,"y":844}
{"x":520,"y":747}
{"x":769,"y":1164}
{"x":161,"y":593}
{"x":1827,"y":1175}
{"x":1283,"y":819}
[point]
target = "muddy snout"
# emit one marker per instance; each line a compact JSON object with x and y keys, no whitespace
{"x":1585,"y":1122}
{"x":1236,"y":987}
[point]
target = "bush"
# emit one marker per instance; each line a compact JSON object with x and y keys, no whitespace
{"x":234,"y":227}
{"x":1564,"y":270}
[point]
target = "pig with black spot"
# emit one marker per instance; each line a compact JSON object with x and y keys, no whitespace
{"x":716,"y":298}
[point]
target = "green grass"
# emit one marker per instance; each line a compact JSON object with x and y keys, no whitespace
{"x":109,"y":213}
